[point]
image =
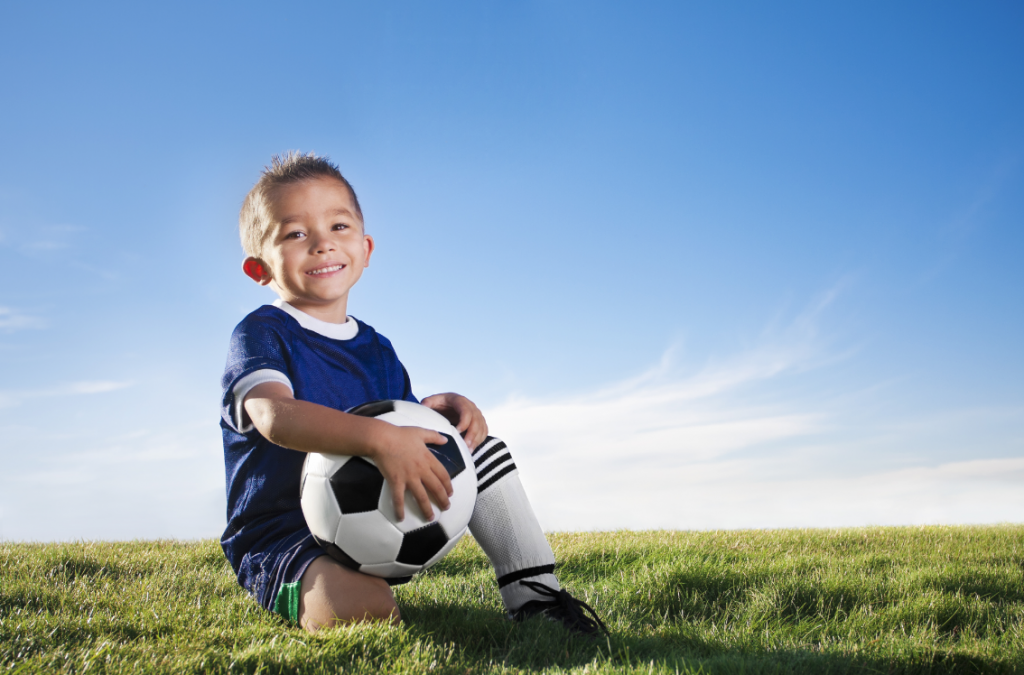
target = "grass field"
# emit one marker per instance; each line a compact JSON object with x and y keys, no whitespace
{"x":882,"y":600}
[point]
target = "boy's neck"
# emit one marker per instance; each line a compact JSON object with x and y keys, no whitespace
{"x":333,"y":312}
{"x":336,"y":331}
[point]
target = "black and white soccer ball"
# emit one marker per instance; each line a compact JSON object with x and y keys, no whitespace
{"x":348,"y":506}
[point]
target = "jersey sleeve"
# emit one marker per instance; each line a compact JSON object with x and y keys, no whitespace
{"x":257,"y":354}
{"x":246,"y":384}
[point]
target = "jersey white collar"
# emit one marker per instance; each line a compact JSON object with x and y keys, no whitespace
{"x":335,"y":331}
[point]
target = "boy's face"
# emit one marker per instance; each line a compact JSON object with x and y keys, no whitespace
{"x":315,"y":250}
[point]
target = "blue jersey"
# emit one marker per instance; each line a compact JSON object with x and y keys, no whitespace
{"x":266,"y":539}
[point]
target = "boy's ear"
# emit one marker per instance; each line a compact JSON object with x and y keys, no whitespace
{"x":368,"y":243}
{"x":256,"y":270}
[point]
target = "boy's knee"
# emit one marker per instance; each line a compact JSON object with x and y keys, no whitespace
{"x":385,"y":612}
{"x":332,"y":595}
{"x":376,"y":603}
{"x":385,"y":609}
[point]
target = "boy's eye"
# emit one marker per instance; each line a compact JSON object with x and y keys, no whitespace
{"x":340,"y":226}
{"x":295,"y":235}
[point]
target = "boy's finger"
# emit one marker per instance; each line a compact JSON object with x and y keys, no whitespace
{"x":438,"y":438}
{"x":421,"y":498}
{"x":440,"y":491}
{"x":398,"y":497}
{"x":478,"y":431}
{"x":474,"y":436}
{"x":441,"y":474}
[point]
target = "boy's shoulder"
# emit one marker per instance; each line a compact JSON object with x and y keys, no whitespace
{"x":266,"y":324}
{"x":266,"y":317}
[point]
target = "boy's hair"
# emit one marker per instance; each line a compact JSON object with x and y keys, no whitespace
{"x":254,"y":220}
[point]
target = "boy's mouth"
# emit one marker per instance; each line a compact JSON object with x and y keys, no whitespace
{"x":326,"y":270}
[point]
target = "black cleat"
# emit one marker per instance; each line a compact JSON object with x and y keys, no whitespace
{"x":562,"y":607}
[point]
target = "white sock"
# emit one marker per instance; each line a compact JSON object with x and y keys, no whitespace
{"x":504,"y":525}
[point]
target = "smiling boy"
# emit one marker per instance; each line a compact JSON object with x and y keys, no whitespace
{"x":293,"y":368}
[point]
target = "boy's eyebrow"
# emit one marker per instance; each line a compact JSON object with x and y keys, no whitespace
{"x":335,"y":212}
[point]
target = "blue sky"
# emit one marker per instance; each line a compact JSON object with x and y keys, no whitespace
{"x":704,"y":265}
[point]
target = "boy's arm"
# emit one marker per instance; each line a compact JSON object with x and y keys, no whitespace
{"x":400,"y":453}
{"x":463,"y":414}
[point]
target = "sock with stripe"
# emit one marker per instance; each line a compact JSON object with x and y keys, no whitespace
{"x":506,"y":528}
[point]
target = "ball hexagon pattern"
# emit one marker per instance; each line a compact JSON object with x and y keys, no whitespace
{"x":348,"y":507}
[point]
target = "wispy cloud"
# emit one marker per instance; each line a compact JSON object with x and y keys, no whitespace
{"x":970,"y":218}
{"x":706,"y":450}
{"x":52,"y":238}
{"x":87,"y":387}
{"x":43,"y":246}
{"x":166,"y":481}
{"x":12,"y":319}
{"x":692,"y":416}
{"x":81,"y":388}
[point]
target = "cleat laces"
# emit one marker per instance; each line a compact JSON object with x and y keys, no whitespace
{"x":573,"y":613}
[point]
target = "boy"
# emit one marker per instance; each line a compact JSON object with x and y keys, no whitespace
{"x":293,"y":368}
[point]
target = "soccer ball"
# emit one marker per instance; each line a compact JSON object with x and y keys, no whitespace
{"x":348,"y":506}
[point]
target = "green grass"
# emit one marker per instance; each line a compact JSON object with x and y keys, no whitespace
{"x":884,"y":600}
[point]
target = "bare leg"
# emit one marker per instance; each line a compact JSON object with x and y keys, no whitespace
{"x":332,"y":594}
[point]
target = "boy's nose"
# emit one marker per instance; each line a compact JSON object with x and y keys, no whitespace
{"x":323,"y":244}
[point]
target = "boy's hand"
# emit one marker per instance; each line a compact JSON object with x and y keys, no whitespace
{"x":463,"y":414}
{"x":407,"y":463}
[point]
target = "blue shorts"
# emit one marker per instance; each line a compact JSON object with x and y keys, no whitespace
{"x":272,"y":572}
